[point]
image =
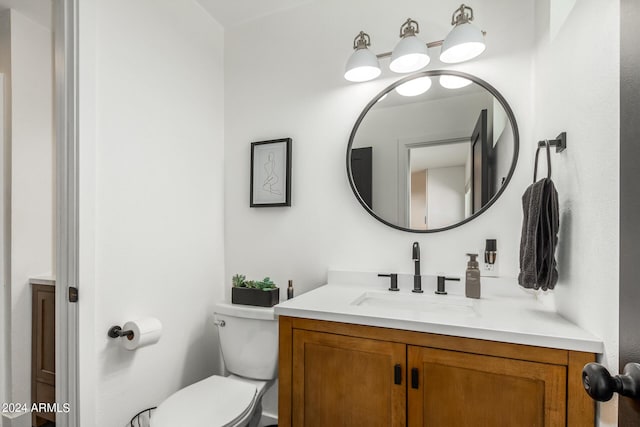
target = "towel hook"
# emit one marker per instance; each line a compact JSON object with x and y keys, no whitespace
{"x":560,"y":143}
{"x":535,"y":169}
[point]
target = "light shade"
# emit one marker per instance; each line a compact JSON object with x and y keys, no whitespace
{"x":464,"y":42}
{"x":454,"y":82}
{"x":414,"y":87}
{"x":409,"y":55}
{"x":362,"y":66}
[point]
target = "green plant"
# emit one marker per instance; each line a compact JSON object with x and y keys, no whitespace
{"x":266,"y":284}
{"x":238,"y":280}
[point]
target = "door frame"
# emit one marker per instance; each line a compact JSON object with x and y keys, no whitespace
{"x":65,"y":33}
{"x":405,"y":146}
{"x":629,"y":339}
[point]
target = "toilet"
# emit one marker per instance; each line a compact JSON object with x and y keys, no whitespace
{"x":249,"y":343}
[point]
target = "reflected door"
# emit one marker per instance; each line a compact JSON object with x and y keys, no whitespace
{"x":362,"y":172}
{"x":480,"y":163}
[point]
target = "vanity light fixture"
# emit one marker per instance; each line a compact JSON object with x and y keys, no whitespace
{"x":363,"y":64}
{"x":410,"y":54}
{"x":464,"y":42}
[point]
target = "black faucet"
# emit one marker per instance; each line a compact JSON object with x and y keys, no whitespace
{"x":440,"y":290}
{"x":417,"y":279}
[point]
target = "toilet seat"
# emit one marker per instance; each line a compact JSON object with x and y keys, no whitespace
{"x":215,"y":401}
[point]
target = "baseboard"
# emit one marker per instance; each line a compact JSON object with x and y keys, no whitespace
{"x":268,"y":419}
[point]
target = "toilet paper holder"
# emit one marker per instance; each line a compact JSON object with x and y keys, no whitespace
{"x":117,"y":332}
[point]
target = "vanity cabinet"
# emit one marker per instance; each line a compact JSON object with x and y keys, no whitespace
{"x":341,"y":374}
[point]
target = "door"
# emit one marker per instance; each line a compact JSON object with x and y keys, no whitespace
{"x":479,"y":164}
{"x":346,"y":381}
{"x":362,"y":172}
{"x":629,"y":410}
{"x":449,"y":388}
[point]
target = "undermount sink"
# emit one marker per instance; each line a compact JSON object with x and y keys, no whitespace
{"x":415,"y":302}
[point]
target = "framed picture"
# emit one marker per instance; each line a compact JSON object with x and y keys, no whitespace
{"x":271,"y":173}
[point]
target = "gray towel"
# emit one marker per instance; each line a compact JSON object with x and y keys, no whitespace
{"x":539,"y":236}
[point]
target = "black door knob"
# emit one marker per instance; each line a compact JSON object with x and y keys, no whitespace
{"x":600,"y":385}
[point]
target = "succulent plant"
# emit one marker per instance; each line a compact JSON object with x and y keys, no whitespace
{"x":240,"y":281}
{"x":266,"y":284}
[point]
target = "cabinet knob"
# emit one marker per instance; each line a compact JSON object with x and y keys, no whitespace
{"x":415,"y":378}
{"x":601,"y":385}
{"x":397,"y":374}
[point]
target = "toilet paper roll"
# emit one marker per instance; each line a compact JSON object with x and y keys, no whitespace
{"x":146,"y":332}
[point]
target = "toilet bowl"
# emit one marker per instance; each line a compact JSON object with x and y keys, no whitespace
{"x":248,"y":339}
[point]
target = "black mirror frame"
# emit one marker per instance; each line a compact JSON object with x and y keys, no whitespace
{"x":434,"y":73}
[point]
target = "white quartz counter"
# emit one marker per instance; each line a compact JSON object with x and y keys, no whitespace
{"x":505,"y":313}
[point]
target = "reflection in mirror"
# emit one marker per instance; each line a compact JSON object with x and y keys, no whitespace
{"x":431,"y":161}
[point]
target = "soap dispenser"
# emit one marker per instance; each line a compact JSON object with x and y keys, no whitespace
{"x":472,"y":277}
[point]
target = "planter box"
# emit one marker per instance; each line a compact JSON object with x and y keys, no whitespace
{"x":252,"y":296}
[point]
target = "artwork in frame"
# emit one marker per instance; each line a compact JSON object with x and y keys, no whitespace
{"x":271,"y":173}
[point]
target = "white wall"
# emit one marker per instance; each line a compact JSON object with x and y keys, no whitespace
{"x":32,"y":182}
{"x":284,"y":78}
{"x":30,"y":174}
{"x":445,"y":196}
{"x":577,"y":91}
{"x":271,"y":94}
{"x":151,"y":216}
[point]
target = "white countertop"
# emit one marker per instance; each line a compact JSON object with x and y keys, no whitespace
{"x":505,"y":313}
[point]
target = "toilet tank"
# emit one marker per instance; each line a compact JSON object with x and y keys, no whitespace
{"x":248,"y":340}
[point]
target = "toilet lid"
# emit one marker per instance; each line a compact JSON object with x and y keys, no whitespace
{"x":214,"y":401}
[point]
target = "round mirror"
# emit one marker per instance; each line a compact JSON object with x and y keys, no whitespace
{"x":432,"y":151}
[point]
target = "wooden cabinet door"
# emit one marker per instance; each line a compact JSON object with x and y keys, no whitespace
{"x":345,"y":381}
{"x":462,"y":389}
{"x":43,"y":350}
{"x":44,"y":332}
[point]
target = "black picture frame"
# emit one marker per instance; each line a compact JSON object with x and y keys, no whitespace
{"x":270,"y":185}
